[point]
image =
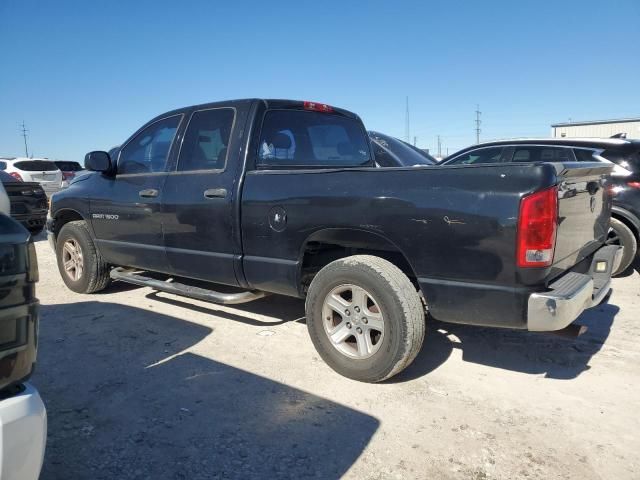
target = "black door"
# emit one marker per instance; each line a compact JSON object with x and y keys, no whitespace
{"x":198,"y":212}
{"x":126,"y":209}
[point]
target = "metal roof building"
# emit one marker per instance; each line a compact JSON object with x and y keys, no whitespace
{"x":597,"y":128}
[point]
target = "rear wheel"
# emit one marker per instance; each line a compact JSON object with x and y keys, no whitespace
{"x":365,"y":318}
{"x":620,"y":234}
{"x":81,"y":266}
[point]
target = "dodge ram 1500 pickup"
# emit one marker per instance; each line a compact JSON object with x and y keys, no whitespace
{"x":284,"y":197}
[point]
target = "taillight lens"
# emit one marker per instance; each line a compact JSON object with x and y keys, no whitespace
{"x":68,"y":175}
{"x":634,"y":184}
{"x":16,"y":175}
{"x":318,"y":107}
{"x":537,"y":226}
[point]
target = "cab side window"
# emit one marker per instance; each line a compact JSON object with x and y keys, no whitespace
{"x":482,"y":155}
{"x":206,"y":141}
{"x":148,"y":151}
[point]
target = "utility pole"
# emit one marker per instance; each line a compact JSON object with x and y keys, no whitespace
{"x":24,"y":135}
{"x":407,"y":131}
{"x":415,"y":140}
{"x":478,"y":122}
{"x":439,"y":148}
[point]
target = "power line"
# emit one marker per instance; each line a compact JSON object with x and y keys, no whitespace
{"x":24,"y":135}
{"x":478,"y":122}
{"x":407,"y":131}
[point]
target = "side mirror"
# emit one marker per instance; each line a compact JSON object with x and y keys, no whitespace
{"x":97,"y":161}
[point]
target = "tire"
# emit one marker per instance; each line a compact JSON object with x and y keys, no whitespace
{"x":394,"y":333}
{"x":93,"y":274}
{"x":620,"y":234}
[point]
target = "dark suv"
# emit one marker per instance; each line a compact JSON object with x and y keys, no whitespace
{"x":623,"y":184}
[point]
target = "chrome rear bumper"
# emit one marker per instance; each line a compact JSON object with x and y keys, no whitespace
{"x":573,"y":293}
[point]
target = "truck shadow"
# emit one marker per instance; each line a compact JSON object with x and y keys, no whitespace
{"x":269,"y":311}
{"x":124,"y":399}
{"x":518,"y":350}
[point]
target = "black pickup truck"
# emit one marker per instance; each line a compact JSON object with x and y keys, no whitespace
{"x":28,"y":202}
{"x":284,"y":197}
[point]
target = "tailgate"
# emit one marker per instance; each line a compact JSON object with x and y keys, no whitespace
{"x":584,"y":209}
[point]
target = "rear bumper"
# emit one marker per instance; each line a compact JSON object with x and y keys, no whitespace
{"x":522,"y":306}
{"x":23,"y":435}
{"x":573,"y":293}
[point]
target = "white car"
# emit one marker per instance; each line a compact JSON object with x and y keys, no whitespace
{"x":5,"y":207}
{"x":23,"y":434}
{"x":40,"y":170}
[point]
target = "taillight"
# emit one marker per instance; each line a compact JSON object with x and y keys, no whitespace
{"x":537,"y":227}
{"x":634,"y":184}
{"x":68,"y":175}
{"x":318,"y":107}
{"x":16,"y":175}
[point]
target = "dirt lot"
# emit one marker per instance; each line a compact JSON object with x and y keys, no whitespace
{"x":146,"y":386}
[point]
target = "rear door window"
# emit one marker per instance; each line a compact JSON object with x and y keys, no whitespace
{"x":294,"y":138}
{"x":148,"y":151}
{"x":206,"y":140}
{"x":481,"y":155}
{"x":584,"y":155}
{"x":542,"y":154}
{"x":36,"y":166}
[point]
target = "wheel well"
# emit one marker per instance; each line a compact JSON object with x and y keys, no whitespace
{"x":63,"y":217}
{"x":628,"y":223}
{"x":325,"y":247}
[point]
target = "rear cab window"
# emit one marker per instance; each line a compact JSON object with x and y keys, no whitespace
{"x":307,"y":139}
{"x":36,"y":166}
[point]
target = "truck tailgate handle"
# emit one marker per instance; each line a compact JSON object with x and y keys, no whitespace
{"x":215,"y":193}
{"x":148,"y":193}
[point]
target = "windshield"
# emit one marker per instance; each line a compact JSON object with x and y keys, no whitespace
{"x":392,"y":152}
{"x":36,"y":166}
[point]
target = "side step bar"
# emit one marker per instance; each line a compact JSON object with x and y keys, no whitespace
{"x":135,"y":277}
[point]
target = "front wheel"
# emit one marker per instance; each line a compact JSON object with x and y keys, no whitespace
{"x":365,"y":318}
{"x":80,"y":264}
{"x":620,"y":234}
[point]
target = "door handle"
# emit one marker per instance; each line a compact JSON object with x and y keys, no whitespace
{"x":148,"y":193}
{"x":215,"y":193}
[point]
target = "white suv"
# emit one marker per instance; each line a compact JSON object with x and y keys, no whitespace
{"x":40,"y":170}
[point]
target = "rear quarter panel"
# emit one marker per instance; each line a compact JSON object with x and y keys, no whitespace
{"x":451,"y":223}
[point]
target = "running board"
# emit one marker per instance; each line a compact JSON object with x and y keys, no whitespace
{"x":135,"y":277}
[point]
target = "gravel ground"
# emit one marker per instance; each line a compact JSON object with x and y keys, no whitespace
{"x":153,"y":386}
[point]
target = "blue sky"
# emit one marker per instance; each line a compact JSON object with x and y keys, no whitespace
{"x":84,"y":75}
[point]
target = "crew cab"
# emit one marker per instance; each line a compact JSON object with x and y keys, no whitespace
{"x":23,"y":421}
{"x":285,"y":197}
